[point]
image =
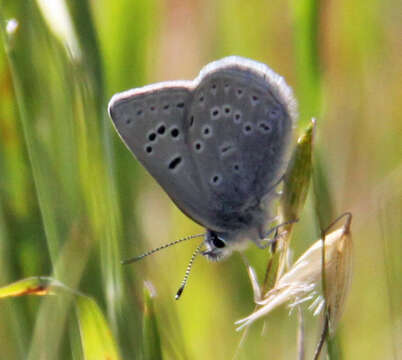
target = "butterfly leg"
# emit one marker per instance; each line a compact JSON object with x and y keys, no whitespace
{"x":272,"y":242}
{"x":265,"y":241}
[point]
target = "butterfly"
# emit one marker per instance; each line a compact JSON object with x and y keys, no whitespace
{"x":217,"y":145}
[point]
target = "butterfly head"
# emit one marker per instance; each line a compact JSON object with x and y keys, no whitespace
{"x":220,"y":245}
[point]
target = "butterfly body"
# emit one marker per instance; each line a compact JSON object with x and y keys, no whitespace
{"x":218,"y":145}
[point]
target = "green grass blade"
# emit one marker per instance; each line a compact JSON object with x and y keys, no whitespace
{"x":308,"y":63}
{"x":16,"y":54}
{"x":323,"y":202}
{"x":295,"y":188}
{"x":151,"y":336}
{"x":297,"y":178}
{"x":97,"y":339}
{"x":84,"y":28}
{"x":37,"y":285}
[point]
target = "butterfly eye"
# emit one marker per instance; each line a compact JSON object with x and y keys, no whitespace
{"x":218,"y":243}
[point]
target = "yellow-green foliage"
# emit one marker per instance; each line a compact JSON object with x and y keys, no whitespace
{"x":73,"y":201}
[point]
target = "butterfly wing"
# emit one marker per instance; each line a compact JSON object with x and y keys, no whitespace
{"x":151,"y":122}
{"x":242,"y":117}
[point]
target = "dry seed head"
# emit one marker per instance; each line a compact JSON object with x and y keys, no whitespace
{"x":303,"y":279}
{"x":338,"y":277}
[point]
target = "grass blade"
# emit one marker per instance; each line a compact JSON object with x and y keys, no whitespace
{"x":37,"y":285}
{"x":97,"y":340}
{"x":151,"y":336}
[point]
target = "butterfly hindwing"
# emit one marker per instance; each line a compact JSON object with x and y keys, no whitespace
{"x":151,"y":122}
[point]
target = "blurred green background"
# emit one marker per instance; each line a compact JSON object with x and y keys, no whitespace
{"x":74,"y":202}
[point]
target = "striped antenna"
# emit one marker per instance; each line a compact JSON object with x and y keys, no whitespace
{"x":136,"y":258}
{"x":190,"y":264}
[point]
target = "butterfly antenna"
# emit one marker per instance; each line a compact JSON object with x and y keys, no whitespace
{"x":136,"y":258}
{"x":190,"y":264}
